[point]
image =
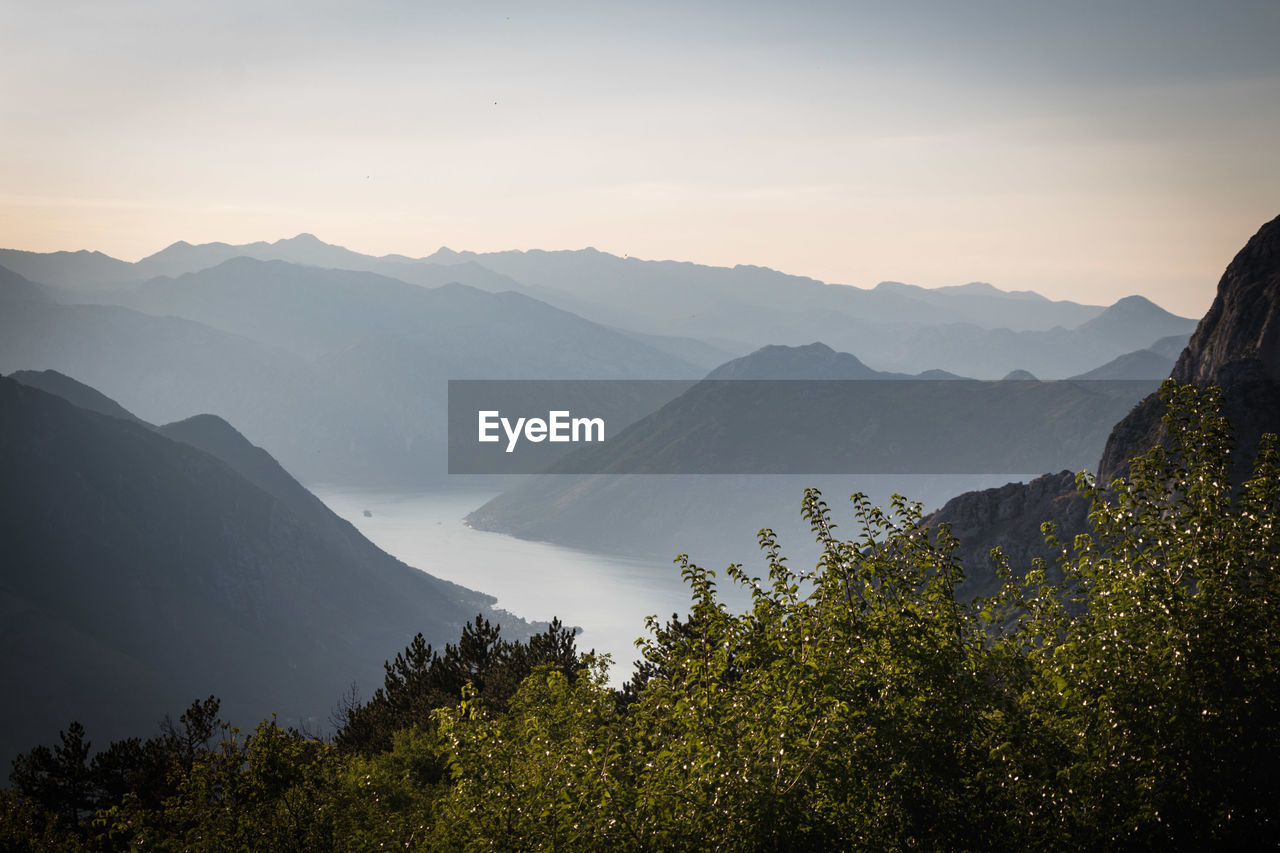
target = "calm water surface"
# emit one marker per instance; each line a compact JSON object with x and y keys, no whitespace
{"x":607,"y":596}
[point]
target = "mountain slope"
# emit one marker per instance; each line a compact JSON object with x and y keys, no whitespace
{"x":141,"y":572}
{"x":341,"y":375}
{"x":1141,"y":364}
{"x":76,"y":393}
{"x":1236,"y":347}
{"x":925,"y":438}
{"x":815,"y":361}
{"x":314,"y":311}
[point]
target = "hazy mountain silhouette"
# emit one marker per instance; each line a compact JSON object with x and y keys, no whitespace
{"x":342,"y":375}
{"x":144,"y":568}
{"x":1053,"y":354}
{"x":815,"y":361}
{"x":1141,"y":364}
{"x":1171,"y":346}
{"x":312,"y":311}
{"x":80,"y":270}
{"x":974,"y":328}
{"x":162,"y":368}
{"x":987,"y":305}
{"x":76,"y":393}
{"x":878,"y":430}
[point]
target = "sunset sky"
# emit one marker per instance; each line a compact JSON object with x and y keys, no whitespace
{"x":1086,"y":150}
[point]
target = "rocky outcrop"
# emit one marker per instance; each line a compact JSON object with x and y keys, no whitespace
{"x":1009,"y":517}
{"x":1236,"y":347}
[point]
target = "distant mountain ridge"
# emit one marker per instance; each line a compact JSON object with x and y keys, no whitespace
{"x":974,"y":329}
{"x":903,"y":429}
{"x":340,"y":374}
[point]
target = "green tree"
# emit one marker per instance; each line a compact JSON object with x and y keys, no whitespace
{"x":1161,"y":670}
{"x":420,"y":680}
{"x":58,"y":779}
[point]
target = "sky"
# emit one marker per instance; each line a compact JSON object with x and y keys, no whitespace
{"x":1085,"y":150}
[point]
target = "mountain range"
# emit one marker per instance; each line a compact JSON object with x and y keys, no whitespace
{"x":341,"y":375}
{"x":707,"y":314}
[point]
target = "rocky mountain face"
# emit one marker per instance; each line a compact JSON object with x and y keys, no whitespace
{"x":1009,"y":517}
{"x":1236,"y":347}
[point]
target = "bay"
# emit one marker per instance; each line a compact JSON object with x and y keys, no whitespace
{"x":607,"y":596}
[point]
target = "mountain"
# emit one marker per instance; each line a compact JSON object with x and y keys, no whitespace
{"x":684,"y":308}
{"x":76,"y":393}
{"x":308,"y":250}
{"x":142,"y":571}
{"x":815,"y":361}
{"x":80,"y":270}
{"x":981,"y":302}
{"x":1237,"y":347}
{"x":313,"y":311}
{"x":1133,"y":317}
{"x":794,"y":411}
{"x":1171,"y":347}
{"x":342,"y":375}
{"x":700,"y":353}
{"x":1009,"y":517}
{"x":93,"y":273}
{"x":161,"y":368}
{"x":1050,"y":354}
{"x":1141,"y":364}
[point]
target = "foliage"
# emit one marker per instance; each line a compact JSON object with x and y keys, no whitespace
{"x":858,"y":705}
{"x":1162,"y":678}
{"x":420,"y":680}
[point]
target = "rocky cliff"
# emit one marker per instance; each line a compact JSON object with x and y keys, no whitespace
{"x":1010,"y":517}
{"x":1236,"y":346}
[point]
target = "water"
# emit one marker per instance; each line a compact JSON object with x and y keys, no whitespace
{"x":607,"y":596}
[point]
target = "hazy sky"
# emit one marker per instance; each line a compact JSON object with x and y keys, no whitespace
{"x":1086,"y":150}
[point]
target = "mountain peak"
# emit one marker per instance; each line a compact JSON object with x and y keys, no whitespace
{"x":1136,"y":317}
{"x":1244,"y":321}
{"x":812,"y":361}
{"x":1236,"y":347}
{"x":303,"y":239}
{"x":445,"y":255}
